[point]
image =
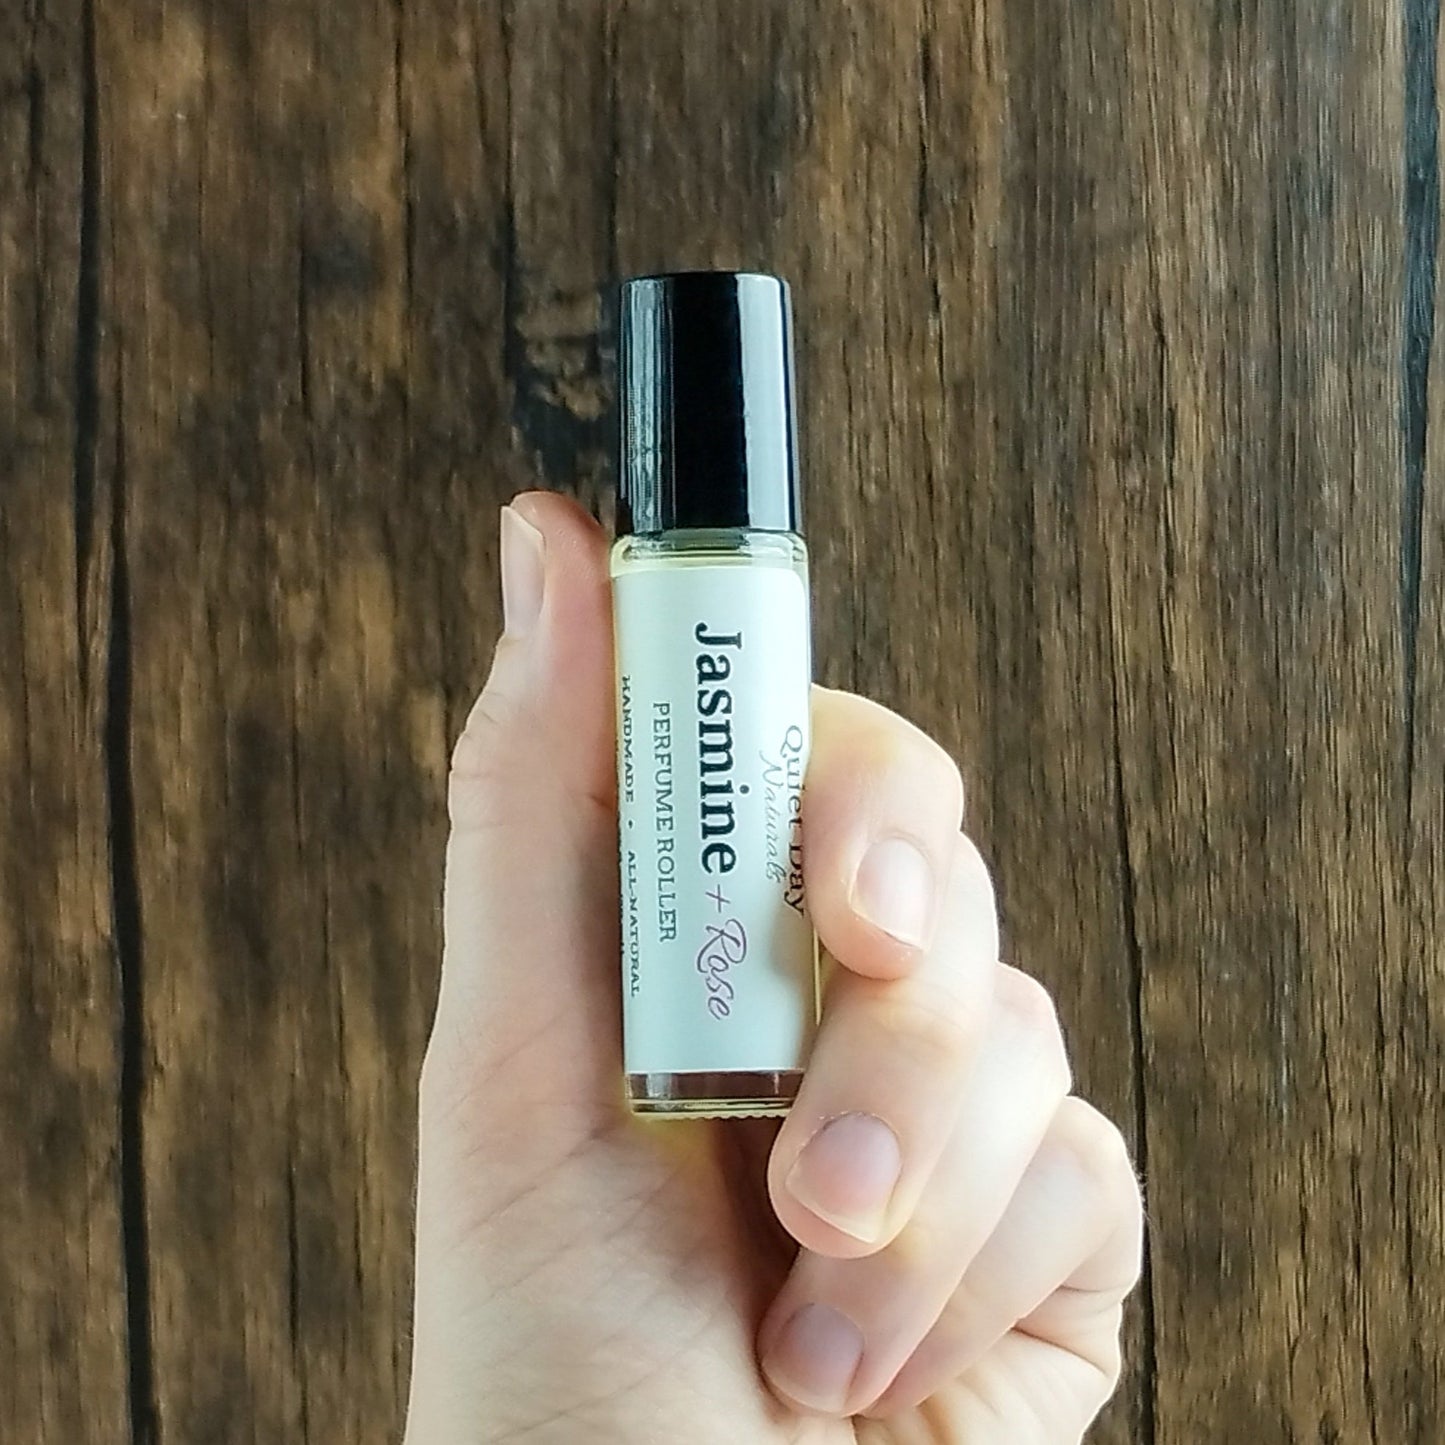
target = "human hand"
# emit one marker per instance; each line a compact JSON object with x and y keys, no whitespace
{"x":968,"y":1228}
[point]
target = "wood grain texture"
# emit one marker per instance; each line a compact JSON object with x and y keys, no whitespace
{"x":63,"y":1116}
{"x":288,"y":720}
{"x":64,"y":1267}
{"x":1123,"y":425}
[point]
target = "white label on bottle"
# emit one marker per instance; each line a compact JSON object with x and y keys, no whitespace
{"x":713,"y":669}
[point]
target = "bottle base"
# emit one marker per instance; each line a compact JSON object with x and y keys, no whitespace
{"x":714,"y":1095}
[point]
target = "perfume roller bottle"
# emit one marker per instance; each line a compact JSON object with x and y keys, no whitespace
{"x":710,"y":589}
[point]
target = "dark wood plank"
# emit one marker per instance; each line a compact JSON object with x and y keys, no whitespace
{"x":1255,"y":544}
{"x":1031,"y":227}
{"x":1407,"y":1249}
{"x":295,"y":216}
{"x":63,"y":1299}
{"x":561,"y":196}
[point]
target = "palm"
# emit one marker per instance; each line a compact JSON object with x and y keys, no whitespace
{"x":677,"y":1216}
{"x":657,"y":1236}
{"x":672,"y":1246}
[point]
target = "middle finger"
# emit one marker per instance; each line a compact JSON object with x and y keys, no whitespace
{"x":885,"y":1081}
{"x":841,"y":1329}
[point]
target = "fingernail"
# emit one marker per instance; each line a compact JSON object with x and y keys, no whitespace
{"x":846,"y":1174}
{"x":815,"y":1357}
{"x":894,"y":890}
{"x":523,"y":574}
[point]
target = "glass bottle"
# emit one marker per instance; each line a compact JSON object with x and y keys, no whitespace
{"x":710,"y":585}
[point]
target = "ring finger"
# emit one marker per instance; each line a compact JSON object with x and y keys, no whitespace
{"x":1063,"y":1257}
{"x":841,"y":1329}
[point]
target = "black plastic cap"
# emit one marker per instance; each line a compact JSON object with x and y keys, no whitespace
{"x":707,"y":426}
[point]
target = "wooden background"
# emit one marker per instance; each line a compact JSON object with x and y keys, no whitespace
{"x":1125,"y":440}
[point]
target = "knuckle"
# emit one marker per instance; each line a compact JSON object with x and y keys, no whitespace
{"x":476,"y":748}
{"x":924,"y":1240}
{"x":470,"y":800}
{"x":972,"y":884}
{"x":945,"y":778}
{"x":480,"y":764}
{"x":436,"y":1083}
{"x":1096,"y":1145}
{"x":450,"y":1093}
{"x":1033,"y":1013}
{"x":449,"y":1055}
{"x":1101,"y":1349}
{"x":930,"y":1024}
{"x":973,"y":872}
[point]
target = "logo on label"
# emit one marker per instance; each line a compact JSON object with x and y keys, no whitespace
{"x":783,"y":815}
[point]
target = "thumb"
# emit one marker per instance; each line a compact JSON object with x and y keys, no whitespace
{"x":529,"y":998}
